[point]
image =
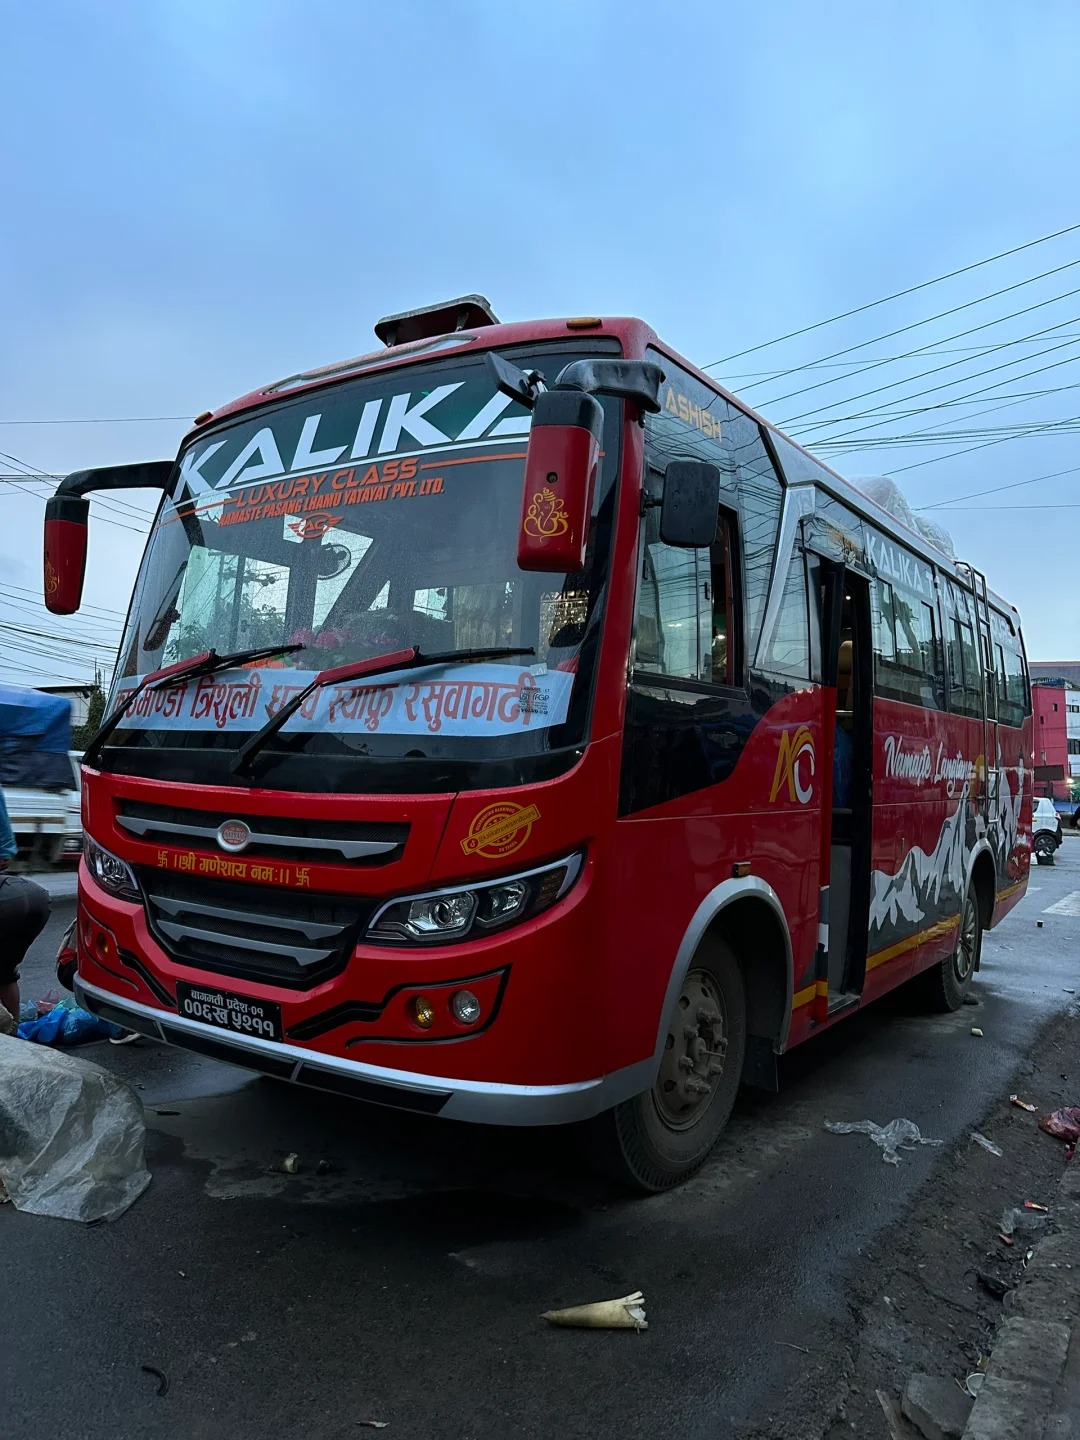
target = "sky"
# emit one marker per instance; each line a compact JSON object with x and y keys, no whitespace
{"x":202,"y":197}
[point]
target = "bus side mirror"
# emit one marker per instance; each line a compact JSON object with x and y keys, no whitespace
{"x":560,"y":477}
{"x":690,"y":507}
{"x":66,"y":524}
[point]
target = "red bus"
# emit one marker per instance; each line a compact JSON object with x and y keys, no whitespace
{"x":510,"y":725}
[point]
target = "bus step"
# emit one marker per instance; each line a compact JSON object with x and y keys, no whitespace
{"x":842,"y":1000}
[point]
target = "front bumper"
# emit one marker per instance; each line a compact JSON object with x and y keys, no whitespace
{"x":480,"y":1102}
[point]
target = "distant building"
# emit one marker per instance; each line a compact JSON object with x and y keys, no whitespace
{"x":79,"y":695}
{"x":1055,"y":704}
{"x":1062,"y":671}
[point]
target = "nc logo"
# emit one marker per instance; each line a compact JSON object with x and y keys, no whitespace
{"x":795,"y":747}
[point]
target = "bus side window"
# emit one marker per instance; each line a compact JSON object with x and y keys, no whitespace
{"x":906,"y":655}
{"x":685,"y":621}
{"x":789,"y":649}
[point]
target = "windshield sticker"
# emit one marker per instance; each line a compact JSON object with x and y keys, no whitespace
{"x":463,"y":700}
{"x":291,"y":442}
{"x":298,"y":529}
{"x":500,"y":829}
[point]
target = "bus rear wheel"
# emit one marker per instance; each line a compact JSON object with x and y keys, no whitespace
{"x":660,"y":1138}
{"x":947,"y":984}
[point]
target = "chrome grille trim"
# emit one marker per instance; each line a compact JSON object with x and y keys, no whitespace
{"x":310,"y":929}
{"x":348,"y":849}
{"x":302,"y":954}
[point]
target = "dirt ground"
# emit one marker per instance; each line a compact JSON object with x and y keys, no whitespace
{"x":919,"y":1302}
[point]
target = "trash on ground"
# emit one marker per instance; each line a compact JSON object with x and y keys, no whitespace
{"x":996,"y":1287}
{"x":67,"y":1025}
{"x":625,"y":1314}
{"x":159,"y":1375}
{"x":323,"y":1167}
{"x":72,"y":1135}
{"x":1007,"y":1239}
{"x":1034,"y":1205}
{"x":986,"y":1144}
{"x":977,"y":1032}
{"x":1064,"y":1123}
{"x":1020,"y":1221}
{"x":375,"y":1424}
{"x":8,"y":1023}
{"x":291,"y":1163}
{"x":897,"y":1135}
{"x":974,"y":1382}
{"x":1022,"y":1104}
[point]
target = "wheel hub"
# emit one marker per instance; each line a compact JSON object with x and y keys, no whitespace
{"x":694,"y":1052}
{"x":964,"y":960}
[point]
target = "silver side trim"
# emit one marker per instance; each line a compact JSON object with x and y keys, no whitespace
{"x":479,"y":1101}
{"x":308,"y":928}
{"x":350,"y":849}
{"x":302,"y":954}
{"x":798,"y":504}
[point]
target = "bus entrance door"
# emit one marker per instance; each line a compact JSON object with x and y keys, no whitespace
{"x":847,"y":667}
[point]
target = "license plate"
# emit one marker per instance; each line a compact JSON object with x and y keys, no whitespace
{"x":261,"y":1018}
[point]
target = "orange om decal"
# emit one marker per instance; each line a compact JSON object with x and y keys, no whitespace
{"x":546,"y":516}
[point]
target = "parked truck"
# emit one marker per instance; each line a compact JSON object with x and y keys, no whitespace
{"x":39,"y":776}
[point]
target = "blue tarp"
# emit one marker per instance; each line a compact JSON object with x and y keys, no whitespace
{"x":35,"y":736}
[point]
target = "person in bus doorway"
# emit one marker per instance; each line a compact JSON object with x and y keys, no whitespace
{"x":24,"y":911}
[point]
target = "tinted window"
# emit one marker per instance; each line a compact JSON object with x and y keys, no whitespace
{"x":907,"y":657}
{"x":789,"y":650}
{"x":696,"y":423}
{"x":965,"y":673}
{"x":684,"y":625}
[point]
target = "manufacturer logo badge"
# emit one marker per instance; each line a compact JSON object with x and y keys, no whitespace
{"x":500,"y":829}
{"x":234,"y":836}
{"x":795,"y":766}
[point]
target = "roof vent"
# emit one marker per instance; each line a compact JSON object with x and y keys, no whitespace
{"x":471,"y":312}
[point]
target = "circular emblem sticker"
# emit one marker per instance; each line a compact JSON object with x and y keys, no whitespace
{"x":234,"y":836}
{"x":500,"y":829}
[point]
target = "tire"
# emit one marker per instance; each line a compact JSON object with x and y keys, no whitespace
{"x":661,"y":1138}
{"x":946,"y":984}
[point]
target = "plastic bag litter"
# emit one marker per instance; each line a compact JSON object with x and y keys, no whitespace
{"x":1063,"y":1123}
{"x":897,"y":1135}
{"x":72,"y":1136}
{"x":1016,"y":1220}
{"x":67,"y":1025}
{"x":8,"y":1023}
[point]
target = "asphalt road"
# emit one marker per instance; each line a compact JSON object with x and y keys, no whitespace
{"x":406,"y":1285}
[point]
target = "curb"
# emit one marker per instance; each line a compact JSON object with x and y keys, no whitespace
{"x":1032,"y":1385}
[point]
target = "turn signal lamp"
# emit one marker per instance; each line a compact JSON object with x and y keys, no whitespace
{"x":423,"y":1013}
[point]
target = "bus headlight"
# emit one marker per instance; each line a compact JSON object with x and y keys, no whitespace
{"x":109,"y":871}
{"x":443,"y":916}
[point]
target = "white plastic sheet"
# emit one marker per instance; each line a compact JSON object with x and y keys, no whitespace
{"x":72,"y":1136}
{"x":896,"y":1136}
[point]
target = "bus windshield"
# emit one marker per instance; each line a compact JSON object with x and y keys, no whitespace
{"x":375,"y":516}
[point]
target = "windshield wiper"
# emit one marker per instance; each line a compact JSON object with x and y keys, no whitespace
{"x":207,"y":662}
{"x":359,"y":669}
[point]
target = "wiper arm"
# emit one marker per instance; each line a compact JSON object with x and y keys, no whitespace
{"x":207,"y":662}
{"x":359,"y":669}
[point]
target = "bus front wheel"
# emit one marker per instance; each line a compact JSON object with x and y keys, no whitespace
{"x":660,"y":1138}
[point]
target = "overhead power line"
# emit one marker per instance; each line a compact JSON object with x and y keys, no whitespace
{"x":998,"y":489}
{"x":923,"y":349}
{"x":896,"y":295}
